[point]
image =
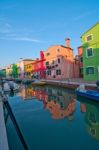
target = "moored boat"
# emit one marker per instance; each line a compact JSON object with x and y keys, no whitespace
{"x":38,"y":83}
{"x":9,"y":86}
{"x":94,"y":95}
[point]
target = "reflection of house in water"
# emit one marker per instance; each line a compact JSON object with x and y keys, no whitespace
{"x":58,"y":112}
{"x":91,"y":110}
{"x":92,"y":119}
{"x":82,"y":107}
{"x":26,"y":92}
{"x":60,"y":102}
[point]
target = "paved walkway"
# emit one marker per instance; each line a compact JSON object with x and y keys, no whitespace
{"x":3,"y":135}
{"x":74,"y":82}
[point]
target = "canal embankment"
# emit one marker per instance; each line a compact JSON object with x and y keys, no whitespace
{"x":72,"y":83}
{"x":3,"y":134}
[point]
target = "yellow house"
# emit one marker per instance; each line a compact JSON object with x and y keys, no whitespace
{"x":28,"y":68}
{"x":25,"y":68}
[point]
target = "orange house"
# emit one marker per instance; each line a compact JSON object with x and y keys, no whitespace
{"x":59,"y":61}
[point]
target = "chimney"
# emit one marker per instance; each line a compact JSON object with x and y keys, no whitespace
{"x":41,"y":55}
{"x":67,"y":42}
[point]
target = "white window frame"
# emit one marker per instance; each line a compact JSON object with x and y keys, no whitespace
{"x":89,"y":67}
{"x":87,"y":36}
{"x":87,"y":53}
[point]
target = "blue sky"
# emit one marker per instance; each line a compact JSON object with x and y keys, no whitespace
{"x":28,"y":26}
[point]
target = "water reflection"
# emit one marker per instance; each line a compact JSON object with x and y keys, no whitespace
{"x":59,"y":102}
{"x":70,"y":120}
{"x":91,"y":110}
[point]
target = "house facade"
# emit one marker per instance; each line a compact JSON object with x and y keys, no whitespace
{"x":28,"y":68}
{"x":90,"y":44}
{"x":3,"y":72}
{"x":59,"y":62}
{"x":21,"y":67}
{"x":9,"y":70}
{"x":39,"y":67}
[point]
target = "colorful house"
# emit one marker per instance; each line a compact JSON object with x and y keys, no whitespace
{"x":39,"y":67}
{"x":3,"y":72}
{"x":9,"y":71}
{"x":28,"y":68}
{"x":21,"y":67}
{"x":60,"y":63}
{"x":90,"y":44}
{"x":14,"y":71}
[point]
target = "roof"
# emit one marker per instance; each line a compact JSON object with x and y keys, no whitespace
{"x":27,"y":60}
{"x":66,"y":47}
{"x":90,"y":29}
{"x":57,"y":45}
{"x":80,"y":46}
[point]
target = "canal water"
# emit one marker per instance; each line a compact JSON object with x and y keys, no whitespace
{"x":53,"y":118}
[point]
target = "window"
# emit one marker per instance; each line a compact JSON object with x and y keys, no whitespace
{"x":92,"y":117}
{"x":58,"y":60}
{"x":58,"y":72}
{"x":89,"y":38}
{"x":90,"y":70}
{"x":47,"y":54}
{"x":93,"y":131}
{"x":47,"y":63}
{"x":81,"y":59}
{"x":89,"y":52}
{"x":52,"y":61}
{"x":58,"y":50}
{"x":49,"y":72}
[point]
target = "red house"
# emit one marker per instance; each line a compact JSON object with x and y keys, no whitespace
{"x":39,"y":67}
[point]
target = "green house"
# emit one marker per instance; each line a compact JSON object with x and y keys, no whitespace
{"x":3,"y":73}
{"x":90,"y":43}
{"x":14,"y":71}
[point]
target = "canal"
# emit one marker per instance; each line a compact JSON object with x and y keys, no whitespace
{"x":52,"y":118}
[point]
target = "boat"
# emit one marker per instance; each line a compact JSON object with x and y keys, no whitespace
{"x":10,"y":86}
{"x":18,"y":80}
{"x":37,"y":82}
{"x":27,"y":81}
{"x":91,"y":94}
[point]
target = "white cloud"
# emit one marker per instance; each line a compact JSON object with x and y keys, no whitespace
{"x":27,"y":39}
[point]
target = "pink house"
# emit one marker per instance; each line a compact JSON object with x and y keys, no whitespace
{"x":60,"y":62}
